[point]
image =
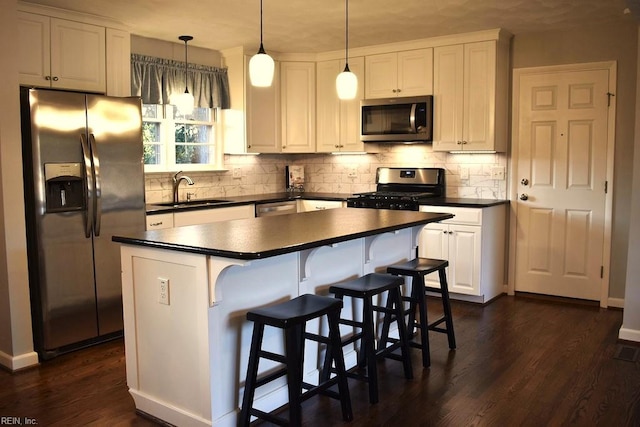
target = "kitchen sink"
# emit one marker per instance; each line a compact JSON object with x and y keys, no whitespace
{"x":202,"y":202}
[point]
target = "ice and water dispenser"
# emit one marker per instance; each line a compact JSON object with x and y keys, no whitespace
{"x":64,"y":185}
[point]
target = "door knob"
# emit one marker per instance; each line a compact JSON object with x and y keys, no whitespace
{"x":524,"y":196}
{"x":524,"y":181}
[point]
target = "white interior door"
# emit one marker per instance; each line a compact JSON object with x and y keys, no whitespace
{"x":561,"y":177}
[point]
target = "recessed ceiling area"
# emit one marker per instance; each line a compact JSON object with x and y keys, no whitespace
{"x":311,"y":26}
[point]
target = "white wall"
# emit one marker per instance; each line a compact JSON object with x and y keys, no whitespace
{"x":631,"y":320}
{"x":16,"y":342}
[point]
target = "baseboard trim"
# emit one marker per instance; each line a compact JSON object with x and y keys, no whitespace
{"x":15,"y":363}
{"x":629,"y":334}
{"x":616,"y":302}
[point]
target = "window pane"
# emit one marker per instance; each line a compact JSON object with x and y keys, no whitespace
{"x":151,"y":111}
{"x":152,"y":154}
{"x":150,"y":132}
{"x":199,"y":114}
{"x":192,"y":133}
{"x":194,"y":154}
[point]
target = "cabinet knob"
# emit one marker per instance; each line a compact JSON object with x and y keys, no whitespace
{"x":524,"y":181}
{"x":459,"y":142}
{"x":464,"y":142}
{"x":337,"y":146}
{"x":55,"y":79}
{"x":393,"y":90}
{"x":451,"y":232}
{"x":524,"y":197}
{"x":47,"y":77}
{"x":444,"y":231}
{"x":399,"y":90}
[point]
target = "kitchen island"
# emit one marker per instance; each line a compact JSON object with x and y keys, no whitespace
{"x":186,"y":292}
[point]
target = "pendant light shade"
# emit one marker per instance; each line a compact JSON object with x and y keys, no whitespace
{"x":184,"y":101}
{"x":347,"y":82}
{"x":261,"y":65}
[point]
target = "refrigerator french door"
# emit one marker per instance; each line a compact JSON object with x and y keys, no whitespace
{"x":84,"y":182}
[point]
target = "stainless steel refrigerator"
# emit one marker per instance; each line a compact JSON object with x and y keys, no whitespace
{"x":84,"y":182}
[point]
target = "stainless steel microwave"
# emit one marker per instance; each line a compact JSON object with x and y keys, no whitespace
{"x":399,"y":120}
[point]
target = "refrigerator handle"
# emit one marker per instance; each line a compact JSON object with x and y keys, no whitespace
{"x":97,"y":199}
{"x":88,"y":169}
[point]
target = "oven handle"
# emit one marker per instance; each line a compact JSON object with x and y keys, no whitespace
{"x":412,"y":119}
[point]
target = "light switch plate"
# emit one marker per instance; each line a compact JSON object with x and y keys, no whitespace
{"x":497,"y":173}
{"x":464,"y":172}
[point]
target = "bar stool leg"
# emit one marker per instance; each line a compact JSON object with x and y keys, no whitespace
{"x":417,"y":294}
{"x":293,"y":343}
{"x":396,"y":298}
{"x":446,"y":307}
{"x":338,"y":358}
{"x":252,"y":375}
{"x":368,"y":340}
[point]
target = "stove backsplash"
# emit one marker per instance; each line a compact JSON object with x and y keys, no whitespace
{"x":350,"y":174}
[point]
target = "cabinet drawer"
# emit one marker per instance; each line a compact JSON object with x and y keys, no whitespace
{"x":156,"y":222}
{"x":467,"y":216}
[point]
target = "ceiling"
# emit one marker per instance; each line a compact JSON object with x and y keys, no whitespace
{"x":309,"y":26}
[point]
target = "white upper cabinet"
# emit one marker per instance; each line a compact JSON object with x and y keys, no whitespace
{"x":298,"y":106}
{"x":60,"y":53}
{"x":252,"y":124}
{"x":470,"y":83}
{"x":338,"y":121}
{"x":118,"y":62}
{"x":406,"y":73}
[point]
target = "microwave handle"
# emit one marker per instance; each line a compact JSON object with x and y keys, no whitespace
{"x":412,"y":118}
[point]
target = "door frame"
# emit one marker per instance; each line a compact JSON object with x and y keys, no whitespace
{"x":512,"y":190}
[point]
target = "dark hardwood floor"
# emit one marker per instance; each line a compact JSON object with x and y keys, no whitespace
{"x":519,"y":362}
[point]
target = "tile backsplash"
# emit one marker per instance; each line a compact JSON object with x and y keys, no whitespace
{"x":467,"y":175}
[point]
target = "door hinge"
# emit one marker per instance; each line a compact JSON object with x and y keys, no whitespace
{"x":606,"y":187}
{"x":609,"y":95}
{"x":601,"y":271}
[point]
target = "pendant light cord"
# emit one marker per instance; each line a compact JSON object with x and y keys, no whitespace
{"x":346,"y":36}
{"x":186,"y":69}
{"x":261,"y":50}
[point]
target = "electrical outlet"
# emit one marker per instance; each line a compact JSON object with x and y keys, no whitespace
{"x":237,"y":173}
{"x":163,"y":291}
{"x":464,"y":172}
{"x":497,"y":173}
{"x":353,"y":173}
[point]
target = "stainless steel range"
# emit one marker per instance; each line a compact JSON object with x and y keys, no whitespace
{"x":401,"y":189}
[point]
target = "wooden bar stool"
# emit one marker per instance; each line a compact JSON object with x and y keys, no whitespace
{"x":292,"y":316}
{"x":417,"y":269}
{"x":366,"y":288}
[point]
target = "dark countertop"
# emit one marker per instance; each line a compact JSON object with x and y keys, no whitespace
{"x":263,"y":237}
{"x":284,"y":196}
{"x":245,"y":200}
{"x":462,"y":202}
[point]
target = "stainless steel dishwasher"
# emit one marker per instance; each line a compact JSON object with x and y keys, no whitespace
{"x":276,"y":208}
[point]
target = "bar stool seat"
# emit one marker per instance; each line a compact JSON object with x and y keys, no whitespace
{"x":291,"y":316}
{"x":417,"y":269}
{"x":366,"y":288}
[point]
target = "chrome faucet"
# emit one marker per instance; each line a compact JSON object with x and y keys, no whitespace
{"x":176,"y":184}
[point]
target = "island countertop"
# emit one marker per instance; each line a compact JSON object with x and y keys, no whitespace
{"x":263,"y":237}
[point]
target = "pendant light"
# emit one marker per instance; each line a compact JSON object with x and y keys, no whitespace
{"x":184,"y":101}
{"x":261,"y":65}
{"x":347,"y":82}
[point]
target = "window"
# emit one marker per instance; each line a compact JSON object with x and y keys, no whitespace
{"x":175,"y":142}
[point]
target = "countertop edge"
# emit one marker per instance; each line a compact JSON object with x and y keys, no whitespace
{"x":274,"y":252}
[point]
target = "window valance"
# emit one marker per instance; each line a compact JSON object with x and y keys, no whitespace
{"x":155,"y":79}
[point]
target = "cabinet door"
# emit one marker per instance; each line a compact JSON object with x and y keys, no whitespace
{"x":479,"y":95}
{"x":381,"y":79}
{"x":448,"y":97}
{"x":78,"y":56}
{"x":298,"y":106}
{"x":34,"y":55}
{"x":464,"y":259}
{"x":206,"y":216}
{"x":118,"y":62}
{"x":415,"y":72}
{"x":328,"y":107}
{"x":434,"y":243}
{"x":263,"y":114}
{"x":350,"y":110}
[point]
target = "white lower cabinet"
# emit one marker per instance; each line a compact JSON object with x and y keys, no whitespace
{"x":206,"y":216}
{"x":159,"y":221}
{"x":473,"y":242}
{"x":318,"y":205}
